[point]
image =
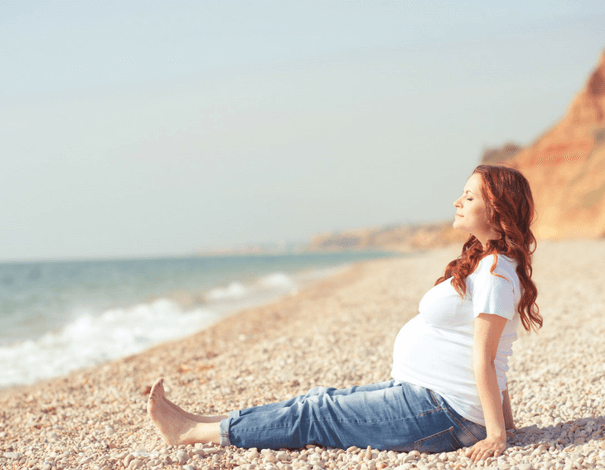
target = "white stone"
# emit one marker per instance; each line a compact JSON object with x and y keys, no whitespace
{"x":136,"y":463}
{"x":182,"y":457}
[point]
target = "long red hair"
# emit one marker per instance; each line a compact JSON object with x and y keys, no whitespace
{"x":510,"y":212}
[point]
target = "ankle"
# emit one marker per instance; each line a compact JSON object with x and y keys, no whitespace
{"x":204,"y":433}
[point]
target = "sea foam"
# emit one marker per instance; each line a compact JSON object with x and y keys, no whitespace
{"x":91,"y":339}
{"x":235,"y":290}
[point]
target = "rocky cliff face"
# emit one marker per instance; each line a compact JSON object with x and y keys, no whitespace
{"x":566,"y":167}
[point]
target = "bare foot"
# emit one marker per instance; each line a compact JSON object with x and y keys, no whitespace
{"x":159,"y":386}
{"x":174,"y":426}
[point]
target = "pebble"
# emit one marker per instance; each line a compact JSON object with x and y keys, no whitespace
{"x":135,"y":463}
{"x":182,"y":457}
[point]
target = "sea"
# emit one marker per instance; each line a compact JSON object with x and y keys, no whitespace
{"x":59,"y":316}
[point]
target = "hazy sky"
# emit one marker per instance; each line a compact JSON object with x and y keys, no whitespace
{"x":132,"y":128}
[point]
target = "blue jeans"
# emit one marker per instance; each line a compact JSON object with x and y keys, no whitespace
{"x":387,"y":416}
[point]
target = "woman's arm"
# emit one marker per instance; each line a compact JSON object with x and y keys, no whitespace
{"x":508,"y":412}
{"x":487,"y":331}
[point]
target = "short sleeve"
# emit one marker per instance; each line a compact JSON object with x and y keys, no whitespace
{"x":491,"y":293}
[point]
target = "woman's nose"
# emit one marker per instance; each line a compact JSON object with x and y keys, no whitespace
{"x":457,"y":203}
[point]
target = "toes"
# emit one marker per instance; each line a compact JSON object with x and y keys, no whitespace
{"x":160,"y":387}
{"x":156,"y":390}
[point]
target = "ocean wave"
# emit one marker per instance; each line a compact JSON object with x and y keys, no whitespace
{"x":91,"y":339}
{"x":235,"y":290}
{"x":277,"y":281}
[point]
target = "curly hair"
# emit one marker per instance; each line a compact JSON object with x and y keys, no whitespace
{"x":510,"y":212}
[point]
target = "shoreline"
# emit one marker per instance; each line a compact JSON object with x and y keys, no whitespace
{"x":339,"y":331}
{"x":84,"y":327}
{"x":225,"y":317}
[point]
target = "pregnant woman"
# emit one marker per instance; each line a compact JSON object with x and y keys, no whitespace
{"x":448,"y":387}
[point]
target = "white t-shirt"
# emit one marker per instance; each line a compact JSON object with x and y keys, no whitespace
{"x":434,"y":349}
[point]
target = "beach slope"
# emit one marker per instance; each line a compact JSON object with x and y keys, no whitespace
{"x":338,"y":332}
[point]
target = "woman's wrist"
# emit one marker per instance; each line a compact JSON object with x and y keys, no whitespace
{"x":497,"y":436}
{"x":496,"y":431}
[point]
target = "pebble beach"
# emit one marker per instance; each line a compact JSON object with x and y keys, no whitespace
{"x":337,"y":332}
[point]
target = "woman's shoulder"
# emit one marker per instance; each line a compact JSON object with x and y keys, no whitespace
{"x":505,"y":266}
{"x":501,"y":260}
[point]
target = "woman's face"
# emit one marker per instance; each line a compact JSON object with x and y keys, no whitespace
{"x":471,"y":211}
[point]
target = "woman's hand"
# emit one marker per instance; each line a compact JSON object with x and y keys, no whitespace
{"x":488,"y":447}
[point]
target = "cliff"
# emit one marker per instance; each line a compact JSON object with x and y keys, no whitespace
{"x":566,"y":166}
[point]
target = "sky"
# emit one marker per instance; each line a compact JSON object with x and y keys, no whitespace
{"x":148,"y":128}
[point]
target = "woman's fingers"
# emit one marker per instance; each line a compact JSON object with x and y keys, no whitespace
{"x":485,"y":449}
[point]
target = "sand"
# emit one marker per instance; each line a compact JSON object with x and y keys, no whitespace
{"x":338,"y":332}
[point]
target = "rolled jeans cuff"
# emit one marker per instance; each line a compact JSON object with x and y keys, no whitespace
{"x":224,"y":427}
